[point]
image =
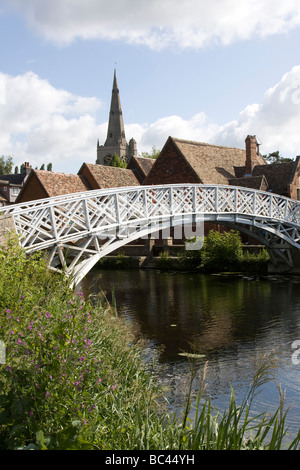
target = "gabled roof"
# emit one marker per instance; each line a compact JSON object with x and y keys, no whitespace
{"x":57,"y":184}
{"x":14,"y":178}
{"x":279,"y":175}
{"x":253,"y":182}
{"x":212,"y":163}
{"x":141,"y":166}
{"x":109,"y":176}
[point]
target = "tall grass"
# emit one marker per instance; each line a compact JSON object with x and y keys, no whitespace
{"x":237,"y":428}
{"x":74,"y":377}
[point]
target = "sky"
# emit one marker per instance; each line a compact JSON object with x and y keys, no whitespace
{"x":205,"y":71}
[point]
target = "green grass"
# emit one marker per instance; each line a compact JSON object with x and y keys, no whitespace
{"x":74,"y":377}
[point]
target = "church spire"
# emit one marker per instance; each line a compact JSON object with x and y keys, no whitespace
{"x":115,"y":141}
{"x":115,"y":131}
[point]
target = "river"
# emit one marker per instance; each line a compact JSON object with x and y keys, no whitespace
{"x":232,"y":320}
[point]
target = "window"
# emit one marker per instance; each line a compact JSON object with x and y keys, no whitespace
{"x":15,"y":191}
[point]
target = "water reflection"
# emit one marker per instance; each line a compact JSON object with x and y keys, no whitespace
{"x":234,"y":321}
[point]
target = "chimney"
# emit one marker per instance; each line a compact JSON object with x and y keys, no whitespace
{"x":251,"y":154}
{"x":27,"y":168}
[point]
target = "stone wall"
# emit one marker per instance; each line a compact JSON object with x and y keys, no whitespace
{"x":7,"y":225}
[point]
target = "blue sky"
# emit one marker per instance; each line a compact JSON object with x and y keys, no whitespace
{"x":206,"y":71}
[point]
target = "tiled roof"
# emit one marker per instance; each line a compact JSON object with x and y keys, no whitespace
{"x":141,"y":166}
{"x":253,"y":182}
{"x":213,"y":163}
{"x":56,"y":184}
{"x":14,"y":179}
{"x":111,"y":177}
{"x":278,"y":175}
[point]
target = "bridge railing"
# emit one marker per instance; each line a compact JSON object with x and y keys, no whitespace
{"x":46,"y":222}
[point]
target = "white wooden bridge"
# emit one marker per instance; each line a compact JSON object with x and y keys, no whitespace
{"x":78,"y":229}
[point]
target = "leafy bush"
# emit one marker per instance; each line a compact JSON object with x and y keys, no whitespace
{"x":221,"y":251}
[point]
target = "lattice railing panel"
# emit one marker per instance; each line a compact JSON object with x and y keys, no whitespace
{"x":262,"y":204}
{"x":160,"y":202}
{"x":131,"y":206}
{"x":226,"y":200}
{"x":278,"y":208}
{"x":182,"y":200}
{"x":65,"y":219}
{"x":35,"y":226}
{"x":206,"y":200}
{"x":293,"y":212}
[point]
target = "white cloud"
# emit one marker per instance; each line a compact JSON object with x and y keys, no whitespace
{"x":41,"y":124}
{"x":158,"y":24}
{"x":275,"y":120}
{"x":197,"y":128}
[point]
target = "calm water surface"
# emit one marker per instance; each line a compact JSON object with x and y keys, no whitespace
{"x":233,"y":321}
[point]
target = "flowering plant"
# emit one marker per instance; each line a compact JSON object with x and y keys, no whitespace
{"x":55,"y":370}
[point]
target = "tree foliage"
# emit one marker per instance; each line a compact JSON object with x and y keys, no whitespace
{"x":116,"y":161}
{"x":222,"y":250}
{"x":153,"y":154}
{"x":6,"y":165}
{"x":275,"y":157}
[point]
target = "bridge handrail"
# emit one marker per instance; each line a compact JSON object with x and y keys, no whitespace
{"x":84,"y":195}
{"x":80,"y":228}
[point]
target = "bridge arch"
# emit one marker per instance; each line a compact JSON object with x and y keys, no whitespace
{"x":78,"y":229}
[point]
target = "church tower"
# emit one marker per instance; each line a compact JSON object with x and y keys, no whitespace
{"x":115,"y":140}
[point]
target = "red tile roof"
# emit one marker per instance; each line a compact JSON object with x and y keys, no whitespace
{"x":110,"y":176}
{"x":141,"y":166}
{"x":212,"y":163}
{"x":57,"y":184}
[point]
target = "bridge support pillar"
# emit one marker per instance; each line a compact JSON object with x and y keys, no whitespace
{"x":167,"y":242}
{"x":149,"y":244}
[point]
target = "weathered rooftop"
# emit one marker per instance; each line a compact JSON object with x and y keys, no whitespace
{"x":141,"y":166}
{"x":109,"y":176}
{"x":213,"y":163}
{"x":56,"y":184}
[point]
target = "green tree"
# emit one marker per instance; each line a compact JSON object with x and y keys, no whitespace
{"x":42,"y":166}
{"x":116,"y":161}
{"x":49,"y":167}
{"x":154,"y":154}
{"x":16,"y":170}
{"x":275,"y":157}
{"x":6,"y":165}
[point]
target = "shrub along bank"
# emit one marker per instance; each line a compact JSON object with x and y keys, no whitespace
{"x":73,"y":377}
{"x":220,"y":252}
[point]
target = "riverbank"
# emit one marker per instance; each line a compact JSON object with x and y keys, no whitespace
{"x":220,"y":252}
{"x":74,"y":377}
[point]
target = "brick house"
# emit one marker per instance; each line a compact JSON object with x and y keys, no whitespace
{"x":101,"y":176}
{"x":41,"y":184}
{"x":182,"y":161}
{"x":11,"y":186}
{"x":141,"y":166}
